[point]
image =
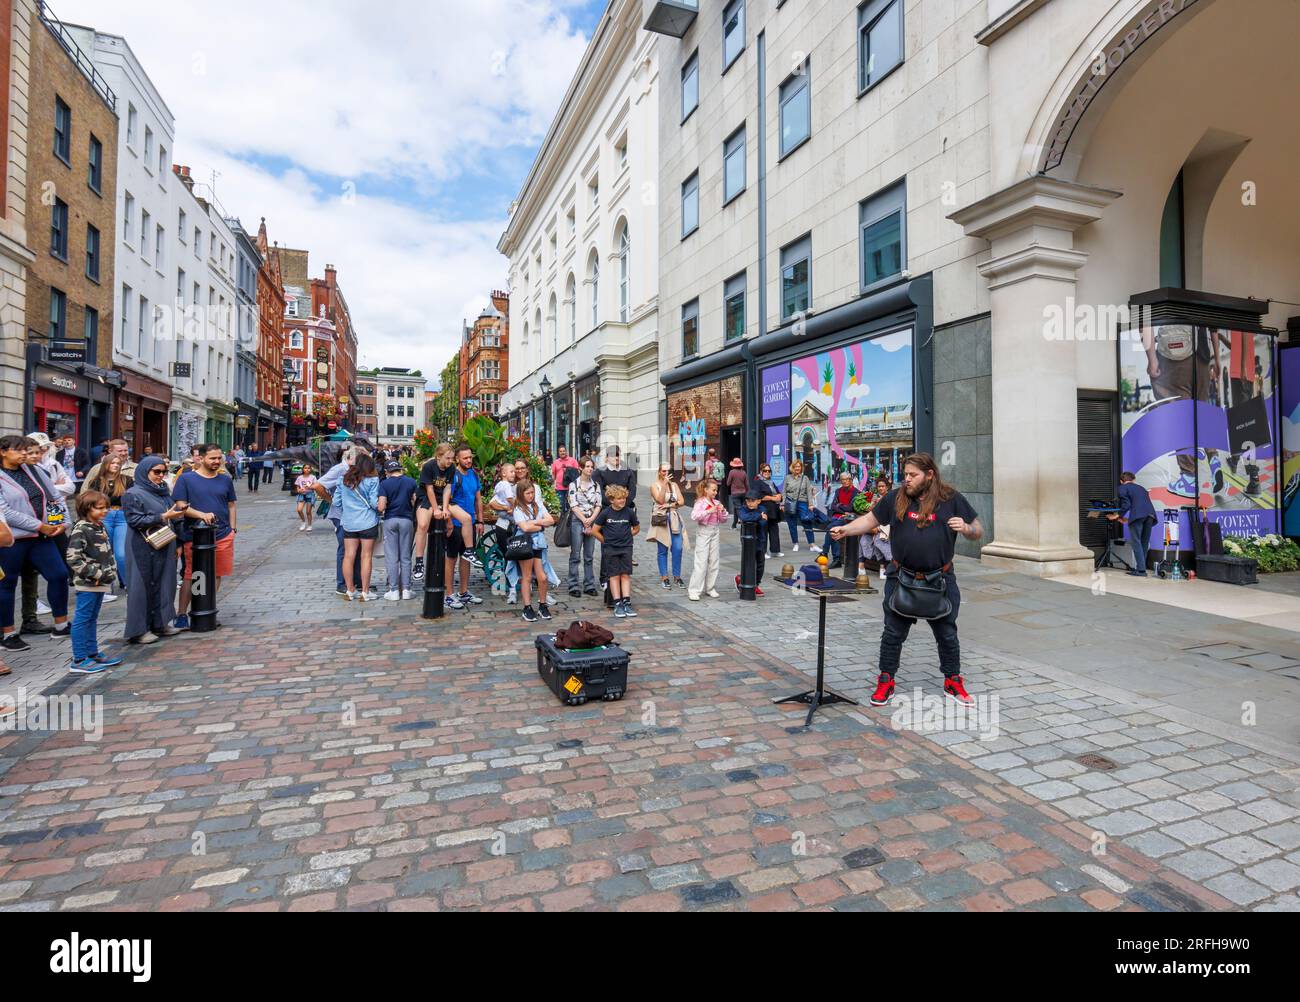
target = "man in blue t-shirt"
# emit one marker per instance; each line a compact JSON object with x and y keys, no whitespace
{"x":463,"y":497}
{"x":210,"y":494}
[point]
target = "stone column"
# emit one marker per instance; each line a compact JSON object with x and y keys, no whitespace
{"x":1031,"y":270}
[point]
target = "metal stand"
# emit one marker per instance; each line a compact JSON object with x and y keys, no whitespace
{"x":814,"y":699}
{"x":435,"y":572}
{"x":1109,"y":556}
{"x":203,"y":580}
{"x":748,"y":562}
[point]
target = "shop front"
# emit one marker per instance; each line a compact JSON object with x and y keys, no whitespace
{"x":68,"y":399}
{"x":271,"y":423}
{"x":586,"y":397}
{"x":141,"y":416}
{"x":219,"y":428}
{"x":245,"y":424}
{"x":837,"y":391}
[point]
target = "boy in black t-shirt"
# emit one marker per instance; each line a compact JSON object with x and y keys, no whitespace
{"x":923,"y":538}
{"x":434,"y":476}
{"x":615,"y":527}
{"x":751,"y":510}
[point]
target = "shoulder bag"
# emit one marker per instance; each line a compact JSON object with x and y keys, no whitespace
{"x":160,"y":537}
{"x":520,"y":546}
{"x":921,"y":594}
{"x":563,"y":529}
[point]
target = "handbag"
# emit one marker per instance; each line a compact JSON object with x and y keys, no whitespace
{"x":564,"y":529}
{"x":659,"y":519}
{"x":160,"y":537}
{"x":520,"y":547}
{"x":921,"y":594}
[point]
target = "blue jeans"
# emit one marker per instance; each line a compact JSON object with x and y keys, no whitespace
{"x":115,"y":526}
{"x":44,"y":555}
{"x":677,"y":556}
{"x":1139,"y":534}
{"x":338,"y":556}
{"x":802,"y":516}
{"x":945,"y":632}
{"x":564,"y":501}
{"x":85,"y":621}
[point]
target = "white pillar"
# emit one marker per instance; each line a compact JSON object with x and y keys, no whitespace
{"x":1031,"y":270}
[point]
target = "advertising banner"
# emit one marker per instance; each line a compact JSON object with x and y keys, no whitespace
{"x":1290,"y":478}
{"x":1197,"y":423}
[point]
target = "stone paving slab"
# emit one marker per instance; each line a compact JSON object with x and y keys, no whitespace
{"x":365,"y":759}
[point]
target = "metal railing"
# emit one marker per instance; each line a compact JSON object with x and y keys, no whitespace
{"x":82,"y":61}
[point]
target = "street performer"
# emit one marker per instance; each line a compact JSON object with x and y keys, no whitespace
{"x":924,"y":516}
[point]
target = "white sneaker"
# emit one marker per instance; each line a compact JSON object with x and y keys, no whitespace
{"x":365,"y":596}
{"x":796,"y":547}
{"x":352,"y":597}
{"x":41,"y":608}
{"x":407,"y":594}
{"x":110,"y":598}
{"x":693,"y":598}
{"x":766,"y":555}
{"x":309,"y":528}
{"x":512,"y":599}
{"x":714,"y":593}
{"x":393,"y":596}
{"x":778,"y":553}
{"x":303,"y":527}
{"x":814,"y":548}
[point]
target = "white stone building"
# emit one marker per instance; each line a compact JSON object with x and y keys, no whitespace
{"x":583,"y":247}
{"x":399,"y":404}
{"x":875,"y":216}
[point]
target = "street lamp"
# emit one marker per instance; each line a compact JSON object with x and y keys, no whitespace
{"x":546,"y":386}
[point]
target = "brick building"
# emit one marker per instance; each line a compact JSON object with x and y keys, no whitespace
{"x":320,"y":349}
{"x":485,"y":359}
{"x":71,"y":195}
{"x":270,"y":344}
{"x":366,"y":422}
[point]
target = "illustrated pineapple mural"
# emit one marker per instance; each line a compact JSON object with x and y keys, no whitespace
{"x":828,"y":376}
{"x":853,"y":373}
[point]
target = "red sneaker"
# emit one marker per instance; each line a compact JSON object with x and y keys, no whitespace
{"x":758,"y":592}
{"x":737,"y":583}
{"x":884,"y":690}
{"x":956,"y":689}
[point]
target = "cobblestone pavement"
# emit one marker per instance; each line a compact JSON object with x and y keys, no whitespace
{"x":315,"y":754}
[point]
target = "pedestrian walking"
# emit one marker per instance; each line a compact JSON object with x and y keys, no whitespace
{"x":305,"y":494}
{"x":94,"y":572}
{"x":667,"y":530}
{"x":584,"y":506}
{"x":254,"y":466}
{"x":151,"y":566}
{"x":396,"y":507}
{"x":925,"y":516}
{"x":709,"y":513}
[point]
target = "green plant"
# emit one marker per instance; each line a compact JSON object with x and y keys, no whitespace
{"x":1272,"y":554}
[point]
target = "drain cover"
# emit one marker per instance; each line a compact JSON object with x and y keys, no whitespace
{"x":1097,"y":762}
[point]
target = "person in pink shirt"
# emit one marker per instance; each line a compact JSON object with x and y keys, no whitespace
{"x":709,"y":513}
{"x":563,"y":462}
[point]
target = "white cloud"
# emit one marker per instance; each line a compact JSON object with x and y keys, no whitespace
{"x":409,"y":98}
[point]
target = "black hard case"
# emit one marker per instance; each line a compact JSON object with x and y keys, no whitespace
{"x":577,"y":677}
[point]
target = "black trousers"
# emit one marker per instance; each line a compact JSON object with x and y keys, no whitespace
{"x":254,"y":478}
{"x":945,"y":632}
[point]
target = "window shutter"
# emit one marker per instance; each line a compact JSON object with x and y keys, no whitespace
{"x":1098,"y":473}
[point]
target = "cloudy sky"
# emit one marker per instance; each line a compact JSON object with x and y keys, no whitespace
{"x":386,"y":138}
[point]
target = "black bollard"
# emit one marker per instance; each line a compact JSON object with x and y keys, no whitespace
{"x":287,"y":483}
{"x":748,"y":560}
{"x":203,"y":580}
{"x":435,"y":571}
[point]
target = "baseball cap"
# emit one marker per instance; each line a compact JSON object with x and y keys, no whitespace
{"x":393,"y":468}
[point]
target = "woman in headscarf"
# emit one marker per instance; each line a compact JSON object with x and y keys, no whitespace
{"x":151,"y":574}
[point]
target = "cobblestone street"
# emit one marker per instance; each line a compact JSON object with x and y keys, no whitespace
{"x":313,"y":754}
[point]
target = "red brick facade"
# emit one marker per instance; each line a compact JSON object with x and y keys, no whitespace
{"x":485,"y":359}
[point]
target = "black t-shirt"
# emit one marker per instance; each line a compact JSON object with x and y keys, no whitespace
{"x":616,"y":526}
{"x":923,"y":548}
{"x":433,"y":475}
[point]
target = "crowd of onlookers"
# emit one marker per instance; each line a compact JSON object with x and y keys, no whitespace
{"x":497,"y":521}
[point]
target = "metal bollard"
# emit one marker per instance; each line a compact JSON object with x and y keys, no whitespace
{"x":203,"y":580}
{"x":748,"y":560}
{"x":435,"y":571}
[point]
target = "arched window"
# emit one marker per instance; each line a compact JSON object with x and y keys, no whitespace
{"x":552,"y":341}
{"x":593,"y":276}
{"x":624,"y":266}
{"x":539,"y":348}
{"x":571,"y":301}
